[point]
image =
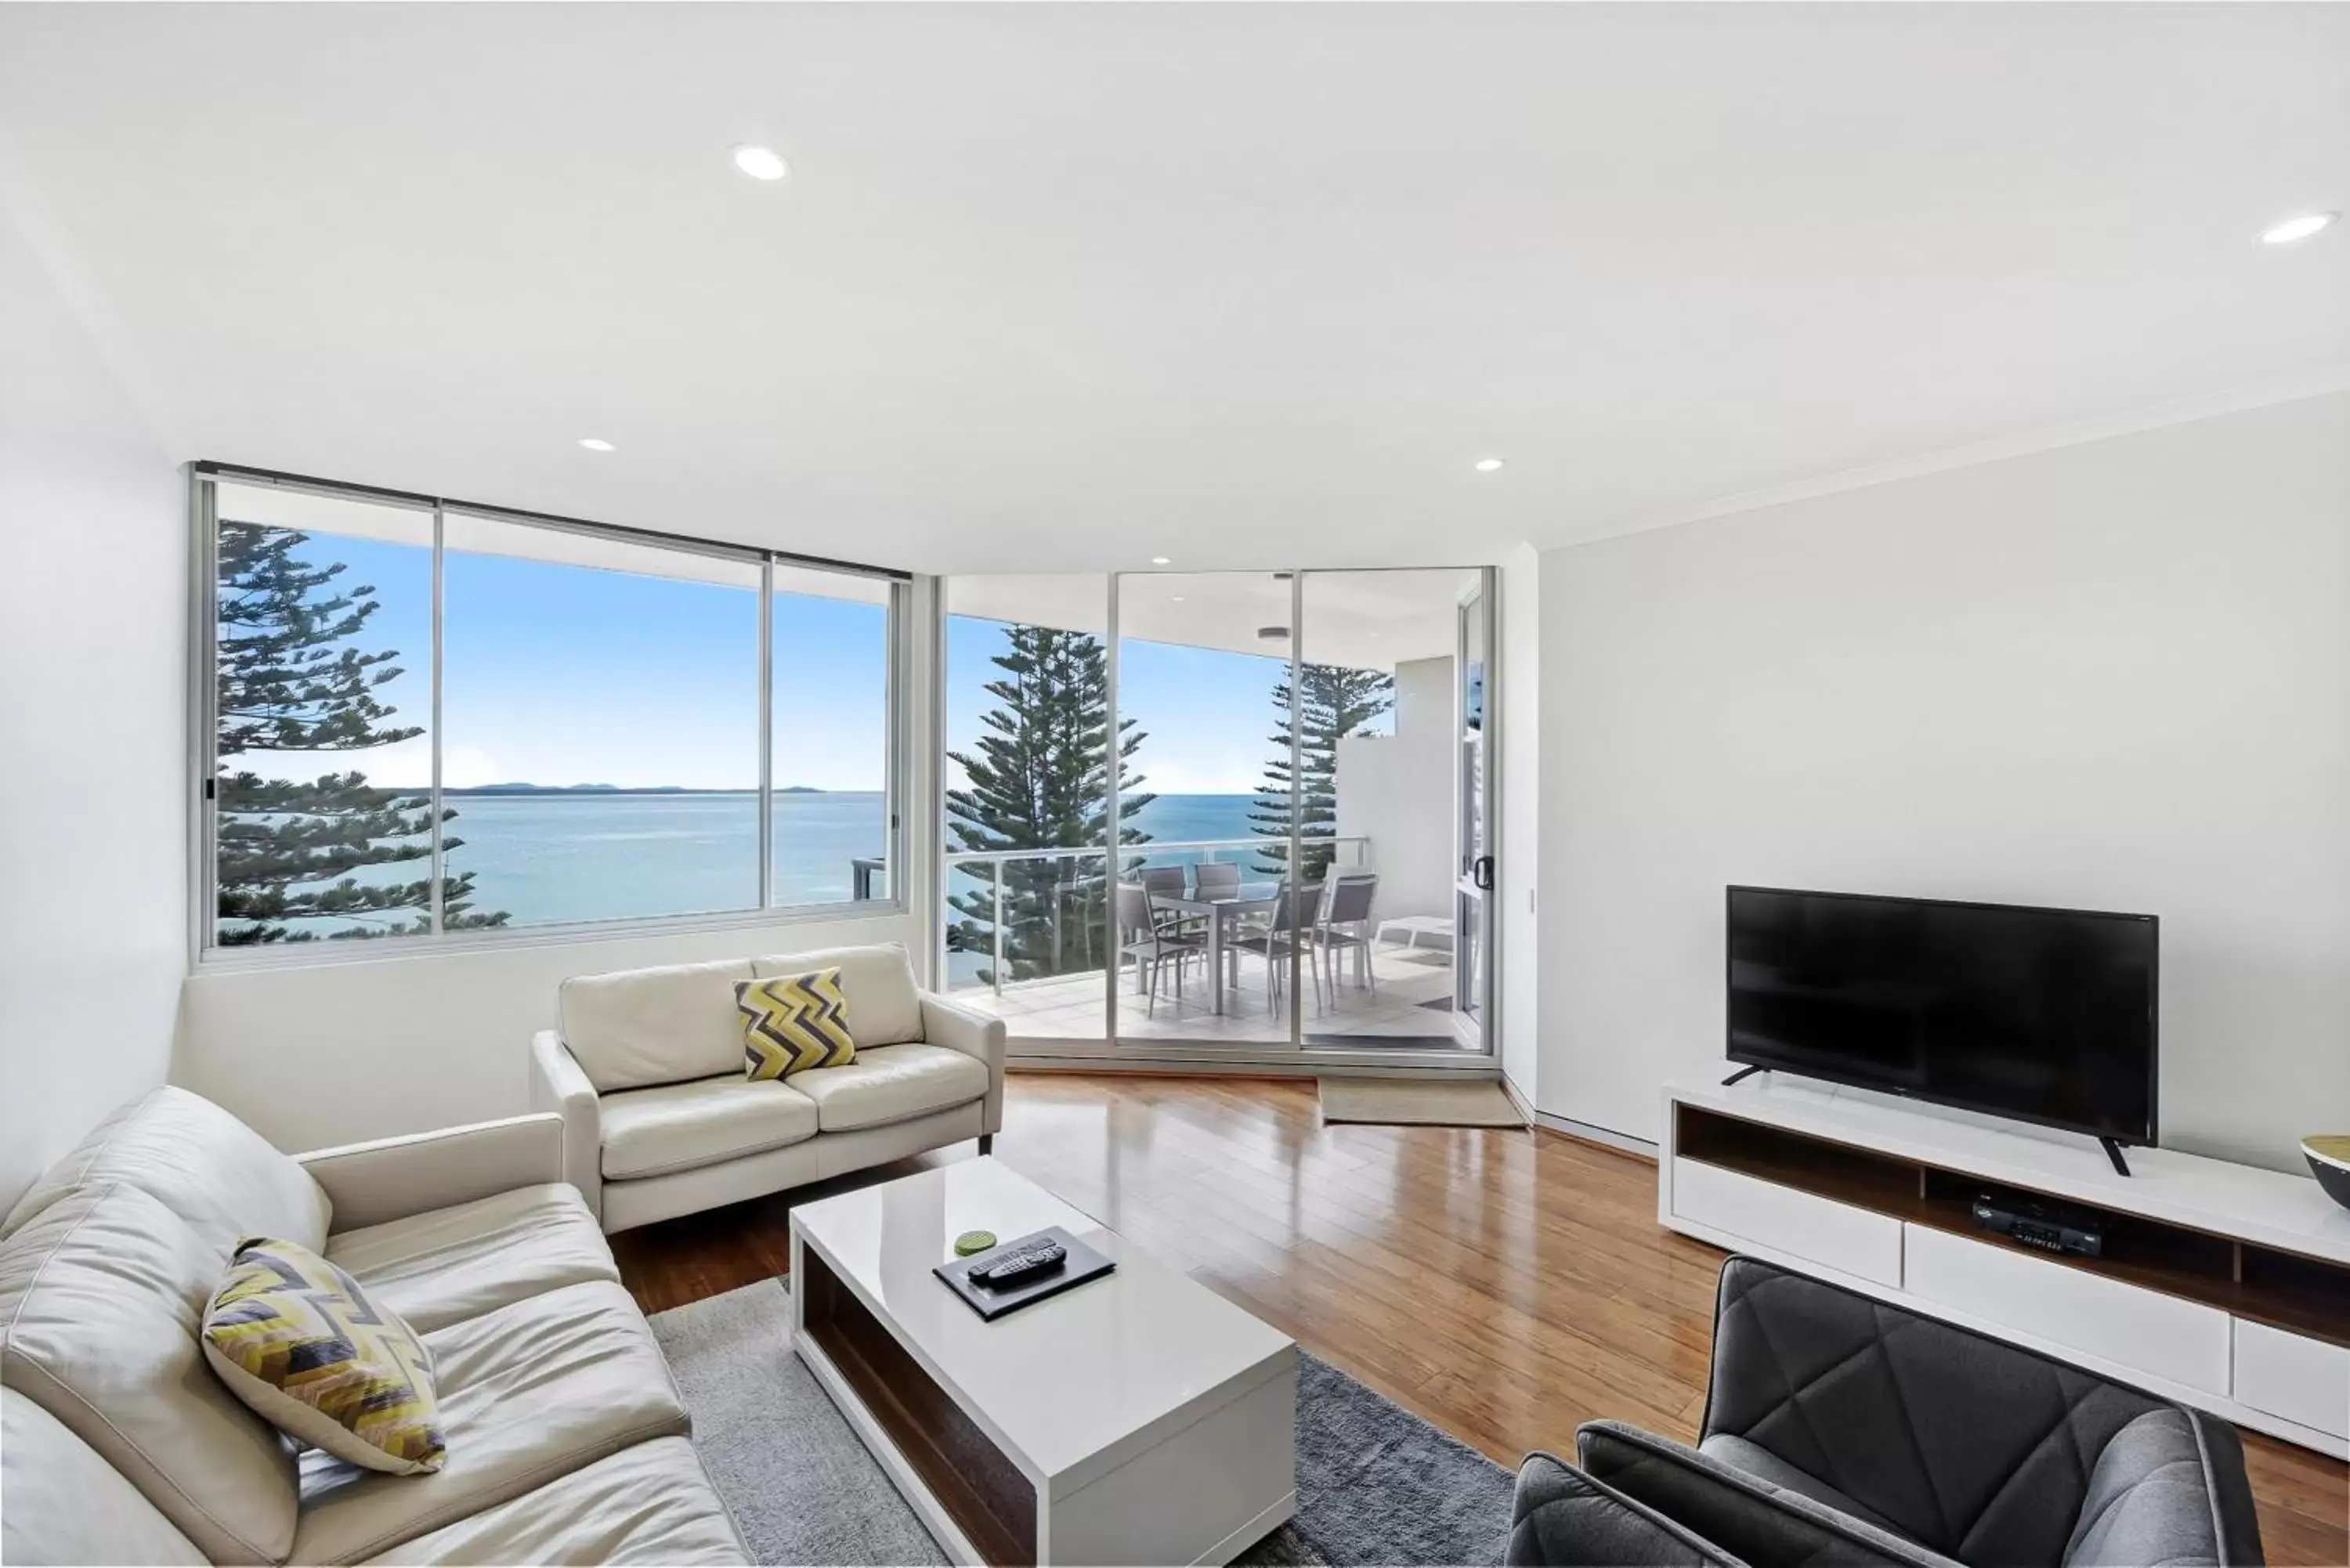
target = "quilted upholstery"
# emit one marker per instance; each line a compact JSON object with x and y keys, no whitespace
{"x":2147,"y":1495}
{"x":1755,"y":1461}
{"x":1977,"y":1449}
{"x":1562,"y":1517}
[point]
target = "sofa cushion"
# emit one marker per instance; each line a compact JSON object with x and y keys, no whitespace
{"x":201,"y":1163}
{"x":528,"y":1393}
{"x":678,"y":1126}
{"x":100,"y":1295}
{"x":643,"y":1026}
{"x":878,"y":981}
{"x":298,"y":1340}
{"x":445,"y":1266}
{"x":649,"y":1504}
{"x":893,"y":1084}
{"x":65,"y":1504}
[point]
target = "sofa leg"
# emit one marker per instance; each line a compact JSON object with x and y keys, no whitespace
{"x":987,"y":1143}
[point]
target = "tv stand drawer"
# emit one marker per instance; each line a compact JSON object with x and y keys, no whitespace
{"x":2288,"y":1375}
{"x":1794,"y":1223}
{"x":2165,"y":1336}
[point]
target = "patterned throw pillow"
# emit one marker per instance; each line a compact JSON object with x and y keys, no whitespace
{"x":792,"y":1023}
{"x":297,"y":1340}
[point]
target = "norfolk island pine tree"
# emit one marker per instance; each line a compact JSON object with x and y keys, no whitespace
{"x":1338,"y":701}
{"x":1035,"y":782}
{"x":290,"y":678}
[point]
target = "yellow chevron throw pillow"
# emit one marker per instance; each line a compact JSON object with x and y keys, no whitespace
{"x":297,"y":1340}
{"x":792,"y":1023}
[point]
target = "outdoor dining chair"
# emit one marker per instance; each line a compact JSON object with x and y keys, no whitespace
{"x":1216,"y":879}
{"x":1343,"y":922}
{"x":1273,"y":939}
{"x":1166,"y":882}
{"x":1142,"y":937}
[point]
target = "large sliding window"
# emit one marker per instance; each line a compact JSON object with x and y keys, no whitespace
{"x":425,"y":721}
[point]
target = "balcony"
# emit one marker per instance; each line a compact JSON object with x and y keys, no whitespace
{"x":1027,"y":941}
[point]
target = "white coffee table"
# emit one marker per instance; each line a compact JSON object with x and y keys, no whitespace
{"x":1135,"y":1418}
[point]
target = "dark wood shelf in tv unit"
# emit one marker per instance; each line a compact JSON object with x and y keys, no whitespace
{"x":2261,"y":1284}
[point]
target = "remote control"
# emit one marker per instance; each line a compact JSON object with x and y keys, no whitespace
{"x":1018,"y":1268}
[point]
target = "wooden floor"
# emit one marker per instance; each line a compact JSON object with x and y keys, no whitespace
{"x":1505,"y":1286}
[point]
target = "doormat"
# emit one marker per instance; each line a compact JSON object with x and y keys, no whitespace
{"x":1412,"y":1102}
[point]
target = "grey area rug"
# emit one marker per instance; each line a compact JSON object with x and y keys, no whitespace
{"x":1376,"y":1484}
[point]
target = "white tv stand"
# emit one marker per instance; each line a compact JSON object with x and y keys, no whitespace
{"x":2223,"y":1286}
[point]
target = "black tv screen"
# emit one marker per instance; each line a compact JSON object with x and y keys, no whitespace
{"x":2047,"y":1015}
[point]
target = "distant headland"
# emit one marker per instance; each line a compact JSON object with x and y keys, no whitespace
{"x":606,"y":789}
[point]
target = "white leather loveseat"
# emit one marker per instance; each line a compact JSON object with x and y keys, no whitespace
{"x":659,"y":1119}
{"x":118,"y":1444}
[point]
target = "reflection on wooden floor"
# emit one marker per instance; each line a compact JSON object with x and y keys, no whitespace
{"x":1506,"y":1285}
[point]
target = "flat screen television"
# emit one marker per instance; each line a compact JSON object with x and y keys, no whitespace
{"x":2045,"y":1015}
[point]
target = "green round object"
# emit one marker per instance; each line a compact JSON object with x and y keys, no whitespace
{"x":972,"y":1242}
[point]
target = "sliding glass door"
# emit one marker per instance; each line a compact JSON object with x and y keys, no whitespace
{"x":1231,"y":815}
{"x":1206,"y":893}
{"x":1024,"y":722}
{"x":1472,"y":886}
{"x":1390,"y":813}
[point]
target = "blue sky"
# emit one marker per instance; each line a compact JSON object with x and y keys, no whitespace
{"x":561,"y":675}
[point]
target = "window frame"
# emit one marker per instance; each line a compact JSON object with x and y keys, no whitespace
{"x":204,"y":691}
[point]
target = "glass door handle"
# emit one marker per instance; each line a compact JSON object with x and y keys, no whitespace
{"x":1481,"y":873}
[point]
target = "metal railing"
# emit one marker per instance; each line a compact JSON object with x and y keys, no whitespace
{"x":1349,"y":850}
{"x":866,"y":872}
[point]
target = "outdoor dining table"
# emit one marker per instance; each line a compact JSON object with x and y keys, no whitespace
{"x":1223,"y":912}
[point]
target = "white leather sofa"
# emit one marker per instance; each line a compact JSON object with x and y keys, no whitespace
{"x":568,"y":1440}
{"x":659,"y":1119}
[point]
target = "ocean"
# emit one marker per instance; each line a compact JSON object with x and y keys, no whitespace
{"x":546,"y":859}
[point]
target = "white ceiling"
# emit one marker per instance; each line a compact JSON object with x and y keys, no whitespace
{"x":1063,"y":287}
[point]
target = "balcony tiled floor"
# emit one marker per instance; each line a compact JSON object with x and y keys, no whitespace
{"x":1352,"y":1016}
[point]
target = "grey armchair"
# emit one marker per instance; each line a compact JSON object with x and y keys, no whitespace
{"x":1840,"y":1430}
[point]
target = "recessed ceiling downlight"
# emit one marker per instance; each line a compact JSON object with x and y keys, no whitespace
{"x":1159,"y":560}
{"x":761,"y":163}
{"x":1489,"y":465}
{"x":2299,"y":228}
{"x":597,"y":443}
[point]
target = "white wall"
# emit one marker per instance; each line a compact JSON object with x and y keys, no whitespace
{"x":1396,"y":791}
{"x":1518,"y":848}
{"x":93,"y":634}
{"x":2113,"y":675}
